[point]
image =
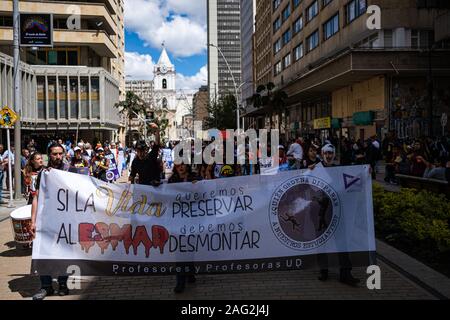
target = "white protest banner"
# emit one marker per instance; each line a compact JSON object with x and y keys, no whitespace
{"x":292,"y":220}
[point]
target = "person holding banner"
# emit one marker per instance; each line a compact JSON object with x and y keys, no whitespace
{"x":311,"y":159}
{"x":146,"y":165}
{"x":183,"y":173}
{"x":345,"y":274}
{"x":56,"y":156}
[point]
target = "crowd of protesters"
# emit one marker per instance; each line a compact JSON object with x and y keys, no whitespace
{"x":148,"y":163}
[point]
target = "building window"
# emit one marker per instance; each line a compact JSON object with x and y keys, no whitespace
{"x":388,"y":40}
{"x":277,"y":46}
{"x":370,"y":42}
{"x":62,"y":84}
{"x":421,"y":39}
{"x":164,"y":103}
{"x":298,"y":25}
{"x":325,"y":3}
{"x":298,"y":52}
{"x":95,"y":97}
{"x":287,"y":36}
{"x":278,"y":68}
{"x":277,"y":25}
{"x":54,"y":56}
{"x":331,"y":27}
{"x":286,"y":12}
{"x":276,"y":4}
{"x":296,"y":3}
{"x":41,"y":99}
{"x":51,"y":89}
{"x":164,"y":84}
{"x":354,"y":9}
{"x":84,"y":89}
{"x":73,"y":97}
{"x":313,"y":41}
{"x":287,"y":61}
{"x":312,"y":11}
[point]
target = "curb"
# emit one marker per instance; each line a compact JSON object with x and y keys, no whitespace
{"x":435,"y":283}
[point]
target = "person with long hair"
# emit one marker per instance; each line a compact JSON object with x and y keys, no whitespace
{"x":310,"y":159}
{"x":31,"y":171}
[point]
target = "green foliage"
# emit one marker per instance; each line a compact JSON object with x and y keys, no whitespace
{"x":418,"y":220}
{"x":222,"y":114}
{"x":132,"y":104}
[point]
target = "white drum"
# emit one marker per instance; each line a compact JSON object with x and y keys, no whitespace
{"x":21,"y":223}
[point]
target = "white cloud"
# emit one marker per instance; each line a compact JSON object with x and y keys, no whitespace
{"x":180,"y":23}
{"x":138,"y":66}
{"x":192,"y":83}
{"x":196,"y":9}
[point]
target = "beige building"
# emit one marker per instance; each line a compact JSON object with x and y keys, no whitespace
{"x":142,"y":88}
{"x":262,"y":60}
{"x":344,"y":78}
{"x":69,"y":90}
{"x":200,"y":104}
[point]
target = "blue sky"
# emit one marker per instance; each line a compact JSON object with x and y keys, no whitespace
{"x":180,"y":24}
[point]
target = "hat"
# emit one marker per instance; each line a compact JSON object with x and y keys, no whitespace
{"x":328,"y":148}
{"x":141,"y":145}
{"x":281,"y":147}
{"x":100,"y":149}
{"x":77,"y":149}
{"x":81,"y":145}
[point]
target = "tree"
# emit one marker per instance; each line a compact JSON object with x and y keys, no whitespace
{"x":131,"y":106}
{"x":222,"y":113}
{"x":276,"y":100}
{"x":160,"y":119}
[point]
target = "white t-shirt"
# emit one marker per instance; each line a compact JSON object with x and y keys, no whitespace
{"x":296,"y":151}
{"x":6,"y":156}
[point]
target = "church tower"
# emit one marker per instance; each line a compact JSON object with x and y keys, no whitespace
{"x":164,"y":82}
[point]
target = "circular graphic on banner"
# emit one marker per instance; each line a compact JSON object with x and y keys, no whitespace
{"x":110,"y":176}
{"x":304,"y":212}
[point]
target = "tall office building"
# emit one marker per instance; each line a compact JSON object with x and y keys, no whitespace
{"x":248,"y":13}
{"x":224,"y":31}
{"x":70,"y":88}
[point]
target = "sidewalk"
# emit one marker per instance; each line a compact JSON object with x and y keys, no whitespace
{"x":16,"y":283}
{"x":5,"y":210}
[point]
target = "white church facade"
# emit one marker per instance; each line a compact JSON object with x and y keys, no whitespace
{"x":166,"y":97}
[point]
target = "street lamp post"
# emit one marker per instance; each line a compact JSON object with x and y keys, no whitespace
{"x":17,"y":103}
{"x":234,"y":83}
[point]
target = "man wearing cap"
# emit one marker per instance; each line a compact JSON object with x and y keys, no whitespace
{"x":100,"y":165}
{"x":56,"y":156}
{"x":78,"y":162}
{"x":345,"y":275}
{"x":146,"y":165}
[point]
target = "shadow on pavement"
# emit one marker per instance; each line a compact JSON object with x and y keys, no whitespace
{"x":10,"y":244}
{"x":26,"y":286}
{"x":16,"y":252}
